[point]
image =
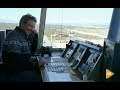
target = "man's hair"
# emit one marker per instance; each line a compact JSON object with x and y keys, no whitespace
{"x":27,"y":17}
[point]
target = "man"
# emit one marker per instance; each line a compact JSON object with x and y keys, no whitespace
{"x":20,"y":44}
{"x":33,"y":37}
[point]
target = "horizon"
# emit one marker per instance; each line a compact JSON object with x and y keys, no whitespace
{"x":60,"y":15}
{"x":70,"y":24}
{"x":97,"y":26}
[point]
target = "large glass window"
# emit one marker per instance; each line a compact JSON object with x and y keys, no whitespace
{"x":63,"y":24}
{"x":9,"y":17}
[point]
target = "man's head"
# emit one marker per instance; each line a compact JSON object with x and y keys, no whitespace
{"x":27,"y":22}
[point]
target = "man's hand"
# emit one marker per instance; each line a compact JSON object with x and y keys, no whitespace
{"x":38,"y":65}
{"x":41,"y":63}
{"x":32,"y":33}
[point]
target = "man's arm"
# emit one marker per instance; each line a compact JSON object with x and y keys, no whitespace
{"x":15,"y":61}
{"x":15,"y":58}
{"x":33,"y":37}
{"x":34,"y":44}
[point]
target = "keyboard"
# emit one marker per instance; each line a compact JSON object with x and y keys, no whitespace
{"x":56,"y":67}
{"x":59,"y":59}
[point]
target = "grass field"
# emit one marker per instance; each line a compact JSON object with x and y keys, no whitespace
{"x":94,"y":35}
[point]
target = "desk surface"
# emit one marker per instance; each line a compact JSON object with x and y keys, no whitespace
{"x":47,"y":76}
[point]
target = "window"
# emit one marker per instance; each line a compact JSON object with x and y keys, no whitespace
{"x":9,"y":17}
{"x":63,"y":24}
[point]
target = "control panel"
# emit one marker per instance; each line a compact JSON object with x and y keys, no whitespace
{"x":70,"y":49}
{"x":89,"y":66}
{"x":76,"y":58}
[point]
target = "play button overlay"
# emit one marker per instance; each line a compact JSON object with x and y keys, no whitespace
{"x":109,"y":73}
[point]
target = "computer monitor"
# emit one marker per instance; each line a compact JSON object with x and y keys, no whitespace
{"x":76,"y":58}
{"x":70,"y":49}
{"x":2,"y":37}
{"x":90,"y":65}
{"x":112,"y":59}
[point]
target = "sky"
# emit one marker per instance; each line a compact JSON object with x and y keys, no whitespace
{"x":60,"y":15}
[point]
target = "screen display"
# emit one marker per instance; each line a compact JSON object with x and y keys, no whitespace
{"x":89,"y":61}
{"x":76,"y":58}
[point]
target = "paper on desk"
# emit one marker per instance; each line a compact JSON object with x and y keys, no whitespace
{"x":59,"y":77}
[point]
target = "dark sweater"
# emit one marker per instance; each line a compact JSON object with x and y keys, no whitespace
{"x":16,"y":49}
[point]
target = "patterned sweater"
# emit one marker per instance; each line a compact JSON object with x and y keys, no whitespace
{"x":16,"y":48}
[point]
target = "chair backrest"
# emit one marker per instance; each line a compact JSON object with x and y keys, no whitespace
{"x":8,"y":30}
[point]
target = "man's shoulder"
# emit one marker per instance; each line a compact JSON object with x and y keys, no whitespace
{"x":15,"y":32}
{"x":11,"y":34}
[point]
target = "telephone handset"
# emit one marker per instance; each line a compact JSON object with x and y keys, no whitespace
{"x":69,"y":45}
